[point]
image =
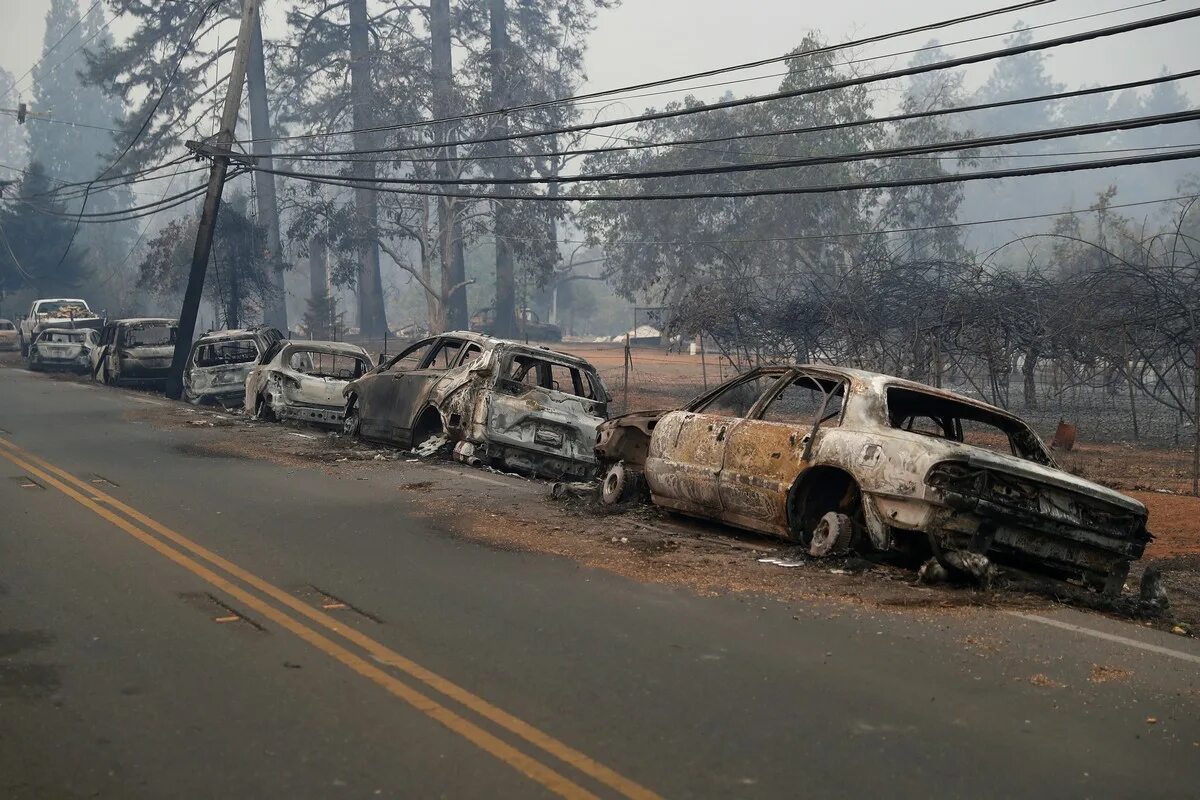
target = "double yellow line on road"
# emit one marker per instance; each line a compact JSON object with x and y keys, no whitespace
{"x":176,"y":547}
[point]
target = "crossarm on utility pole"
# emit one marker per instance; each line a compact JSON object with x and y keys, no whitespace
{"x":212,"y":199}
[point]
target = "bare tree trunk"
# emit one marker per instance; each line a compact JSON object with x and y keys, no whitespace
{"x":275,"y":314}
{"x":1196,"y":422}
{"x":450,"y":248}
{"x":506,"y":288}
{"x":318,"y":268}
{"x":372,"y":319}
{"x":1028,"y":369}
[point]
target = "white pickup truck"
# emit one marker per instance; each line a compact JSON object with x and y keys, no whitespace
{"x":59,"y":312}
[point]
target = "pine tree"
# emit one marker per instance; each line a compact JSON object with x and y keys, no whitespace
{"x":30,"y":228}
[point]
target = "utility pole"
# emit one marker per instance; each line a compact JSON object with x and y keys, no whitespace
{"x":212,"y":200}
{"x":275,"y":314}
{"x":506,"y":288}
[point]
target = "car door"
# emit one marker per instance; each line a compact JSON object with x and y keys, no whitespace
{"x":412,"y":388}
{"x":98,"y":354}
{"x":687,"y":449}
{"x":377,"y":392}
{"x":766,"y":451}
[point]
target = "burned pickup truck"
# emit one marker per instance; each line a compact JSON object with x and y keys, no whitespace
{"x":838,"y":459}
{"x":500,"y":403}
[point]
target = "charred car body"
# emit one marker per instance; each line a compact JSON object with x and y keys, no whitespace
{"x":62,"y":312}
{"x":219,"y":362}
{"x":63,"y":349}
{"x":10,"y":339}
{"x":502,"y":403}
{"x":135,"y":351}
{"x":304,"y":380}
{"x":834,"y":458}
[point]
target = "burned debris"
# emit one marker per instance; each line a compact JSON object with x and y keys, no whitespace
{"x":837,"y":459}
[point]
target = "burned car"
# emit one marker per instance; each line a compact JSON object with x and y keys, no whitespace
{"x":217,"y":366}
{"x":10,"y":339}
{"x":502,"y":403}
{"x":63,"y":349}
{"x":135,"y":351}
{"x":838,"y":458}
{"x":304,"y":380}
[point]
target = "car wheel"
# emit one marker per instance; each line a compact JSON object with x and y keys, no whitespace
{"x":351,"y":423}
{"x":263,"y":410}
{"x":832,"y":536}
{"x":620,"y":483}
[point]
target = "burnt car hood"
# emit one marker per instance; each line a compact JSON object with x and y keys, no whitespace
{"x":1031,"y":470}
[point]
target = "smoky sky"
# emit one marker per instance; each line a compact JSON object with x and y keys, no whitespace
{"x":646,"y":39}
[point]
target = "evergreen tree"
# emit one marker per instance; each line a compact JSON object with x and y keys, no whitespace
{"x":31,"y":226}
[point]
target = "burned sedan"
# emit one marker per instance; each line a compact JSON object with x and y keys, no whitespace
{"x":304,"y":380}
{"x":219,"y":362}
{"x":63,"y":349}
{"x":134,"y":351}
{"x":500,"y":402}
{"x":837,"y":458}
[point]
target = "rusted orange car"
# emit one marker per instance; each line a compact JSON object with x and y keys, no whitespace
{"x":838,"y":458}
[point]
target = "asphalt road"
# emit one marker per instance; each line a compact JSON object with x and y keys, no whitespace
{"x":181,"y":625}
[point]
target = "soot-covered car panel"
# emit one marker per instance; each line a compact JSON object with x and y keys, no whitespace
{"x":832,"y":457}
{"x":505,"y":403}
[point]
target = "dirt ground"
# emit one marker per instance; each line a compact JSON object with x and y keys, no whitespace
{"x":648,"y":545}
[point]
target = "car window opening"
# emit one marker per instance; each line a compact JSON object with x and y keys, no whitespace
{"x":533,"y":372}
{"x":60,"y":337}
{"x":232,"y":351}
{"x":149,"y":335}
{"x":802,"y":400}
{"x":945,"y":418}
{"x":328,"y":365}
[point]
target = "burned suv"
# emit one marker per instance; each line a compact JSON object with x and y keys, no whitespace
{"x":136,"y":351}
{"x":217,"y":366}
{"x":504,"y":403}
{"x":839,"y":458}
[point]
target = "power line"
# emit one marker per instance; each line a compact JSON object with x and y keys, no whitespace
{"x":851,"y":234}
{"x":203,"y":15}
{"x":52,"y":48}
{"x":641,"y":144}
{"x":6,"y":112}
{"x":1049,"y":169}
{"x":896,"y":54}
{"x":1133,"y":123}
{"x":844,"y":83}
{"x":664,"y":81}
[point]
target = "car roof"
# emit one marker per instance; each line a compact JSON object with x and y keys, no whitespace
{"x":879,"y":381}
{"x":60,"y":300}
{"x":61,"y":330}
{"x":232,"y":333}
{"x":333,"y":348}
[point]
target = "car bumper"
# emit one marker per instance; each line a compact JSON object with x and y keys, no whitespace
{"x":314,"y":414}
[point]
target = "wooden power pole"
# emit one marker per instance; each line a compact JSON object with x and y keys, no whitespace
{"x":212,"y":199}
